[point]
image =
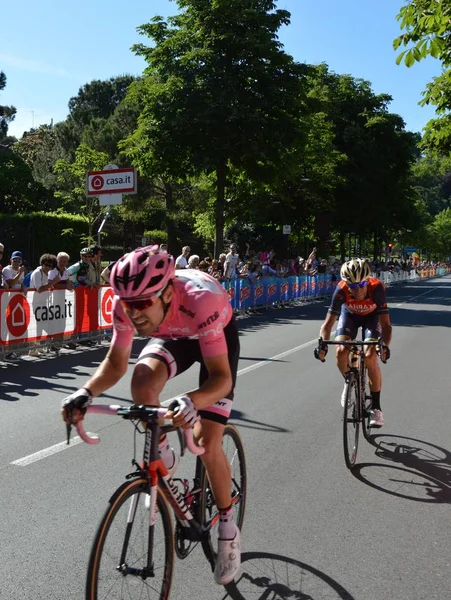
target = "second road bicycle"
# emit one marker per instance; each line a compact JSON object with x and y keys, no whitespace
{"x":357,"y":405}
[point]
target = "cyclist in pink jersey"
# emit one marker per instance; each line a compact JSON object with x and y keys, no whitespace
{"x":189,"y":319}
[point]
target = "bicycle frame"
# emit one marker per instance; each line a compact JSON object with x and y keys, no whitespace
{"x":155,"y":472}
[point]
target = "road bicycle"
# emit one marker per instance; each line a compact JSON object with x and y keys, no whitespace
{"x":357,"y":406}
{"x":132,"y":556}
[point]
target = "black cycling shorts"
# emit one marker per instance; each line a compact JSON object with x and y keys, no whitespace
{"x":349,"y":324}
{"x":181,"y":353}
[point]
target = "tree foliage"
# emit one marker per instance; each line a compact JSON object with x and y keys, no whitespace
{"x":72,"y":180}
{"x":427,"y":32}
{"x":219,"y":94}
{"x":7,"y":113}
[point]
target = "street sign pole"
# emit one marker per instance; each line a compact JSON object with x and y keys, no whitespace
{"x":109,"y":185}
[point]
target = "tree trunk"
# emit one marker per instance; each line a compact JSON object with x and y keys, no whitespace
{"x":219,"y":208}
{"x":169,"y":221}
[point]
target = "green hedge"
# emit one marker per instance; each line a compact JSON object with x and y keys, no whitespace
{"x":39,"y":232}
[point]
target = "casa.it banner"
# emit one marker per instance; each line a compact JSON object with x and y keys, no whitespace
{"x":59,"y":313}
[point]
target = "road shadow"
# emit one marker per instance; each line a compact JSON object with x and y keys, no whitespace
{"x":244,"y":421}
{"x":408,"y":317}
{"x":267,"y":576}
{"x":34,"y":377}
{"x":417,"y":470}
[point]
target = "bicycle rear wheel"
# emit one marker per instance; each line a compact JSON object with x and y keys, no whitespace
{"x":351,"y":417}
{"x":118,"y":562}
{"x":207,"y":509}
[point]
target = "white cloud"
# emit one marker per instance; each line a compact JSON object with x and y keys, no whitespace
{"x":35,"y":66}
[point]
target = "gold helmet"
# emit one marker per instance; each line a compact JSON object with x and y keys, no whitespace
{"x":356,"y":270}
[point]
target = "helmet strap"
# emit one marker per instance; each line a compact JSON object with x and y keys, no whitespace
{"x":166,"y":305}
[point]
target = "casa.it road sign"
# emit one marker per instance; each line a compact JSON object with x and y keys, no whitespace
{"x":112,"y":181}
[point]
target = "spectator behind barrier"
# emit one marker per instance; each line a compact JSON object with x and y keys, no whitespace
{"x":39,"y":279}
{"x":14,"y":274}
{"x":193,"y":262}
{"x":231,"y":263}
{"x":105,"y":274}
{"x":181,"y":262}
{"x":59,"y":277}
{"x":96,"y":261}
{"x":83,"y":272}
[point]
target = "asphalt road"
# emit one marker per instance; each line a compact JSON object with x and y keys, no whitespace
{"x":313,"y":529}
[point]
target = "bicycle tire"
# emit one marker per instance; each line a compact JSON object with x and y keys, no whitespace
{"x":234,"y":450}
{"x":351,"y":418}
{"x":104,"y":579}
{"x":365,"y":405}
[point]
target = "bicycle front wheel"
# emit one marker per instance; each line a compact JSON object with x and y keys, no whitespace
{"x":208,"y":512}
{"x":118,"y":565}
{"x":351,"y":418}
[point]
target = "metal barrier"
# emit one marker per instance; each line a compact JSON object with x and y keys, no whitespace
{"x":49,"y":320}
{"x":273,"y":292}
{"x":38,"y":321}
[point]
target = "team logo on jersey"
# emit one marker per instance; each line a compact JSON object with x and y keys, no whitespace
{"x":211,"y":319}
{"x":186,"y":311}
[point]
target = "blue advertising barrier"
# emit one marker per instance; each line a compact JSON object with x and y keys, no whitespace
{"x":271,"y":291}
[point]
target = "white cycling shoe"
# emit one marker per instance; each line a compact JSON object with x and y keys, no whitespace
{"x":228,"y":561}
{"x":376,"y":418}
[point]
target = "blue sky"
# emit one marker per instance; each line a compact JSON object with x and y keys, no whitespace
{"x":49,"y":49}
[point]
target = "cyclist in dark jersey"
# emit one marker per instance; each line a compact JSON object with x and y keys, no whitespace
{"x":359,"y":300}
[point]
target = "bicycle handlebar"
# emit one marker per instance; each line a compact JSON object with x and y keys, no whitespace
{"x":350,"y":342}
{"x":116,"y":409}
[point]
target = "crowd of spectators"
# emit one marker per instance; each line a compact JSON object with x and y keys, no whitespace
{"x":255,"y":265}
{"x":56,"y":272}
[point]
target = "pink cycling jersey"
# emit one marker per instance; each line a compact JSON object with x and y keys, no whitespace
{"x":200,"y":309}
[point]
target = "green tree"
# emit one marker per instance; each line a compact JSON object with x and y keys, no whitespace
{"x":372,"y":194}
{"x":427,"y":32}
{"x":71,"y":178}
{"x":431,"y":179}
{"x":219,"y":94}
{"x":440,"y":235}
{"x":18,"y":190}
{"x":7,"y":113}
{"x":98,"y":99}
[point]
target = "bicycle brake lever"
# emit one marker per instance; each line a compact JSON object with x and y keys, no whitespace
{"x":68,"y":431}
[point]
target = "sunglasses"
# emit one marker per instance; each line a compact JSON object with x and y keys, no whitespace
{"x":47,"y":264}
{"x":17,"y":260}
{"x":355,"y":286}
{"x":140,"y":305}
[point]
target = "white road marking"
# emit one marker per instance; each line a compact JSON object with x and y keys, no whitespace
{"x":276,"y":357}
{"x":31,"y":458}
{"x":418,"y":296}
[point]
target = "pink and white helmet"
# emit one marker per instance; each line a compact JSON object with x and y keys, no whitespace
{"x":142,"y":273}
